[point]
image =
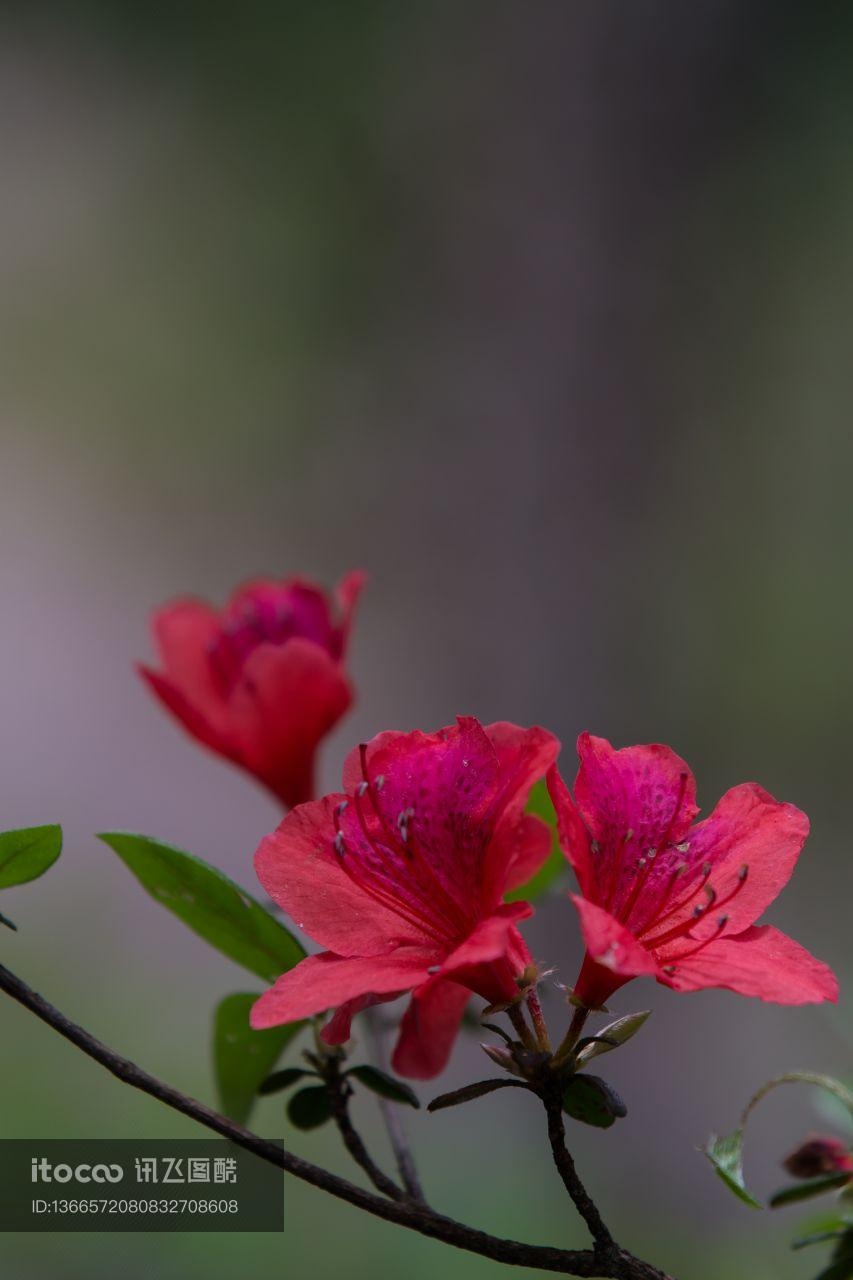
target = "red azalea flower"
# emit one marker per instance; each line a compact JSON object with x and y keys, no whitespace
{"x":818,"y":1156}
{"x":262,"y":681}
{"x":402,"y":877}
{"x":673,"y":901}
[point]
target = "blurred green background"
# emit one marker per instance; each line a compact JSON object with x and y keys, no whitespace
{"x":539,"y":312}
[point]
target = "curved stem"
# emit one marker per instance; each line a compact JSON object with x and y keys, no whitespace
{"x":578,"y":1262}
{"x":339,"y":1096}
{"x":580,"y":1197}
{"x":390,"y":1113}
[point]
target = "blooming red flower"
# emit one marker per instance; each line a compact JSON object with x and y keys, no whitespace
{"x":262,"y":681}
{"x":677,"y":902}
{"x":818,"y":1156}
{"x":402,"y":877}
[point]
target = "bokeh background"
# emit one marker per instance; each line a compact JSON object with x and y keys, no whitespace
{"x":539,"y":312}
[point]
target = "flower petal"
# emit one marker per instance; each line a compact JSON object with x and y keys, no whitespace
{"x":326,"y":980}
{"x":573,"y":834}
{"x":760,"y":962}
{"x":184,"y":632}
{"x":287,"y":699}
{"x":647,"y":790}
{"x":493,"y":955}
{"x":429,"y":1028}
{"x":748,"y":828}
{"x":347,"y":593}
{"x":613,"y":955}
{"x":517,"y":852}
{"x":298,"y":867}
{"x":193,"y":720}
{"x":442,"y":785}
{"x":609,"y":944}
{"x":520,"y":844}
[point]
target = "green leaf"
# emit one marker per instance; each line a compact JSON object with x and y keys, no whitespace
{"x":592,"y":1101}
{"x":243,"y":1058}
{"x":27,"y":853}
{"x":309,"y":1108}
{"x":539,"y":804}
{"x":819,"y":1237}
{"x":283,"y":1079}
{"x":726,"y":1154}
{"x":610,"y":1037}
{"x":210,"y":904}
{"x":471,"y":1091}
{"x":807,"y":1188}
{"x":385,"y":1085}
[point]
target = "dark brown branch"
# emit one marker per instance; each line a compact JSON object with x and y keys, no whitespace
{"x":579,"y":1262}
{"x":612,"y":1261}
{"x":580,"y":1197}
{"x":390,"y":1113}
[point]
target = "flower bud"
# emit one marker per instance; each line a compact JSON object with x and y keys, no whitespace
{"x":818,"y":1155}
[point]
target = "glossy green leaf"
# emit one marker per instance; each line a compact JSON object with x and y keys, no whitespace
{"x":726,"y":1154}
{"x":808,"y":1188}
{"x":385,"y":1085}
{"x":309,"y":1108}
{"x":539,"y":804}
{"x":210,"y":904}
{"x":243,"y":1058}
{"x":27,"y":853}
{"x":610,"y":1037}
{"x":592,"y":1100}
{"x":280,"y":1080}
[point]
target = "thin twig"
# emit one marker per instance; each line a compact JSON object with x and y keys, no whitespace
{"x":339,"y":1095}
{"x":391,"y":1116}
{"x":579,"y":1262}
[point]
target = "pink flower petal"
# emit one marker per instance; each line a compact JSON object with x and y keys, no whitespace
{"x":326,"y":980}
{"x":298,"y":867}
{"x":573,"y":834}
{"x":760,"y":962}
{"x":287,"y":699}
{"x":429,"y":1028}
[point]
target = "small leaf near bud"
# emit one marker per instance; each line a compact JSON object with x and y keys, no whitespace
{"x":283,"y":1080}
{"x":385,"y":1085}
{"x":610,"y":1037}
{"x":807,"y":1189}
{"x":593,"y":1101}
{"x":309,"y":1108}
{"x":501,"y":1057}
{"x":471,"y":1091}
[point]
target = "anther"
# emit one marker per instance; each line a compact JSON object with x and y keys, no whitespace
{"x":379,"y":781}
{"x":669,"y":968}
{"x":361,"y":788}
{"x":340,"y":808}
{"x":743,"y":873}
{"x":339,"y":844}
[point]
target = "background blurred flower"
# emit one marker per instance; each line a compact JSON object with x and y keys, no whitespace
{"x":261,"y":682}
